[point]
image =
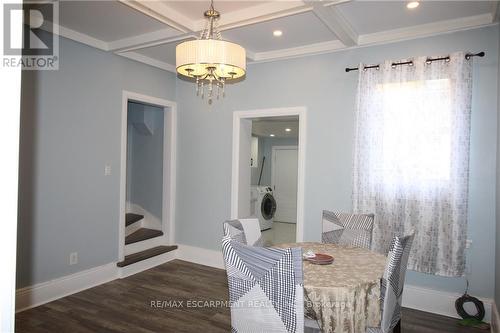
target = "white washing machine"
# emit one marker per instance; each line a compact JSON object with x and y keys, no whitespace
{"x":263,"y":205}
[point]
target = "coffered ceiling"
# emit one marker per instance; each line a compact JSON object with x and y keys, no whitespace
{"x":148,"y":31}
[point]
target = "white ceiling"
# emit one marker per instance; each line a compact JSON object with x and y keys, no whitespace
{"x":366,"y":16}
{"x":195,"y":9}
{"x":264,"y":127}
{"x":148,"y":31}
{"x":298,"y":30}
{"x":106,"y":20}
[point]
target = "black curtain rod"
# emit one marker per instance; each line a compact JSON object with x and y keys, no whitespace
{"x":410,"y":63}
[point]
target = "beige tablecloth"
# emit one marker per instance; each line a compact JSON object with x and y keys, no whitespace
{"x":343,"y":296}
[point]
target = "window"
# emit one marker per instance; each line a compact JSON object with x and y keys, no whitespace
{"x":416,"y":132}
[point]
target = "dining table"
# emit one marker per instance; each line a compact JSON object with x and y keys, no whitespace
{"x":344,"y":296}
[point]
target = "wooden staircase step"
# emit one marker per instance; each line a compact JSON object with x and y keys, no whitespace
{"x":132,"y":218}
{"x":142,"y":234}
{"x":146,"y":254}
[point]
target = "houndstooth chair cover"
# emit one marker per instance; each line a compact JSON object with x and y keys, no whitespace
{"x":246,"y":231}
{"x":234,"y":229}
{"x":265,"y":288}
{"x":391,"y":287}
{"x":347,"y":229}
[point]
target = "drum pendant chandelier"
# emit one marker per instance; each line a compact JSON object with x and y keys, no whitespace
{"x":209,"y":60}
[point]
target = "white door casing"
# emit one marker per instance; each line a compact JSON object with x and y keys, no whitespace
{"x":245,"y":173}
{"x":169,"y":166}
{"x":284,"y":169}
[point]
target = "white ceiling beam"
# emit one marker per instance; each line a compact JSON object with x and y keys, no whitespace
{"x":336,"y":22}
{"x":160,"y":11}
{"x":294,"y":52}
{"x":256,"y":14}
{"x":77,"y":36}
{"x":425,"y":30}
{"x":239,"y":18}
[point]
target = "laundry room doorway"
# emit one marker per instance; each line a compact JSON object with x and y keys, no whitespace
{"x":268,"y":171}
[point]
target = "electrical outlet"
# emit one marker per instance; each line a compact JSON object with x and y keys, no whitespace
{"x":107,"y":170}
{"x":468,"y":243}
{"x":73,"y":258}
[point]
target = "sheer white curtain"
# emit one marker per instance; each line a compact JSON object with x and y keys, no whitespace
{"x":411,"y":158}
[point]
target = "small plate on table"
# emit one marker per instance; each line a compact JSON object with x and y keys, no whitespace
{"x":320,"y":259}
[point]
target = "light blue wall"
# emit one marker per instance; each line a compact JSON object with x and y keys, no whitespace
{"x":321,"y":84}
{"x":145,"y":160}
{"x":70,"y":128}
{"x":266,"y":149}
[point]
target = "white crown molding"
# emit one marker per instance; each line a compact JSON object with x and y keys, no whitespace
{"x":160,"y":11}
{"x":148,"y":39}
{"x":157,"y":42}
{"x":311,"y":49}
{"x":147,"y":60}
{"x":81,"y":38}
{"x":126,"y":46}
{"x":250,"y":54}
{"x":425,"y":30}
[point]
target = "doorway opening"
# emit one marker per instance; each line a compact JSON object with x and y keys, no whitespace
{"x":144,"y":179}
{"x":147,"y":182}
{"x":268,"y":171}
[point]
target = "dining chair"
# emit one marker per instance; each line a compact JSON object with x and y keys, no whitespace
{"x":246,"y":231}
{"x":265,"y":287}
{"x":392,"y":285}
{"x":347,"y":229}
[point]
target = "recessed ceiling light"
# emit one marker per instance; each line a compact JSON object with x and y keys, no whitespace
{"x":288,"y":129}
{"x":277,"y":33}
{"x":412,"y":5}
{"x":271,"y":134}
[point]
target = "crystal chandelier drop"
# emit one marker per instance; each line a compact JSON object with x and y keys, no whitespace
{"x":209,"y":60}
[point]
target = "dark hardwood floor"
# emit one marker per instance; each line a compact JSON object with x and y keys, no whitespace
{"x":150,"y":302}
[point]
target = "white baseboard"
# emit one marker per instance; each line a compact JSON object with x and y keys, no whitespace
{"x":495,"y":319}
{"x":424,"y":299}
{"x":41,"y":293}
{"x":414,"y":297}
{"x":438,"y":302}
{"x":45,"y":292}
{"x":201,"y":256}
